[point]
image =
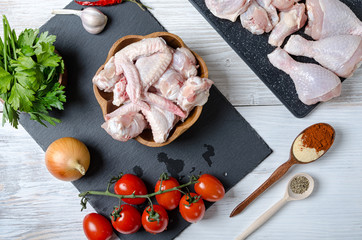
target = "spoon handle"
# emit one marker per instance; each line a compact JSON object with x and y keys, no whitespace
{"x":277,"y":174}
{"x":262,"y":219}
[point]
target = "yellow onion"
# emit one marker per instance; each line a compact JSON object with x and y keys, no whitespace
{"x":67,"y":159}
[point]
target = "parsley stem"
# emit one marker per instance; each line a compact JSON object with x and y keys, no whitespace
{"x":5,"y":44}
{"x":11,"y":38}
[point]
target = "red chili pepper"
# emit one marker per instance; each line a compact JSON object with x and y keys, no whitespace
{"x":109,"y":2}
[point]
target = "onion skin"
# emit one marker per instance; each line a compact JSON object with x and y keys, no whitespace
{"x":67,"y":159}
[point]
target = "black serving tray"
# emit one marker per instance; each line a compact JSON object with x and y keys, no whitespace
{"x":221,"y":142}
{"x":253,"y":49}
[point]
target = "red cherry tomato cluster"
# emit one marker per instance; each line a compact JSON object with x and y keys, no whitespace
{"x":126,"y":219}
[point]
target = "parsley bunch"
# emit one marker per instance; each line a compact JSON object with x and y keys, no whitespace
{"x":29,"y":73}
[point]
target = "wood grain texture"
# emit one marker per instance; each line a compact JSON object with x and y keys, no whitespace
{"x":34,"y":205}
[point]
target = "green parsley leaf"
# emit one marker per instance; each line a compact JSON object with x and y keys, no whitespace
{"x":45,"y":38}
{"x":27,"y":37}
{"x":30,"y":78}
{"x":9,"y":114}
{"x":40,"y":117}
{"x":21,"y":98}
{"x":26,"y":51}
{"x":48,"y":60}
{"x":56,"y":97}
{"x":5,"y":80}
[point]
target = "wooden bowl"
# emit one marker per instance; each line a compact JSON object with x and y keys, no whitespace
{"x":105,"y":99}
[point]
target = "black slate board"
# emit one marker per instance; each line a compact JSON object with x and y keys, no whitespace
{"x":221,"y":142}
{"x":253,"y":49}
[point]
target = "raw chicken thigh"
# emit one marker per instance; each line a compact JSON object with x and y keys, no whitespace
{"x":290,"y":22}
{"x":270,"y":10}
{"x":107,"y":78}
{"x":125,"y":127}
{"x":255,"y":19}
{"x":312,"y":82}
{"x":340,"y":54}
{"x":227,"y":9}
{"x":194,"y":92}
{"x":161,"y":122}
{"x":283,"y":4}
{"x":184,"y":62}
{"x":331,"y":18}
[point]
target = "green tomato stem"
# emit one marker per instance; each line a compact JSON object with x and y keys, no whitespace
{"x":108,"y":193}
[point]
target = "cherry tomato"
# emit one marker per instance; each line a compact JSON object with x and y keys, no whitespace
{"x":150,"y":223}
{"x":128,"y":184}
{"x":210,"y":188}
{"x":169,"y":200}
{"x":97,"y":227}
{"x":192,"y":209}
{"x":127,"y":220}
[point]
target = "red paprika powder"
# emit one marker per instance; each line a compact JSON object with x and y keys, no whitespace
{"x":319,"y":136}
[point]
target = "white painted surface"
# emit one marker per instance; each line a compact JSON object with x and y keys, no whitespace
{"x":34,"y":205}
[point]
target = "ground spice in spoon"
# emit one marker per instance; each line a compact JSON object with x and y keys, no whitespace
{"x":313,"y":143}
{"x":319,"y":137}
{"x":299,"y":184}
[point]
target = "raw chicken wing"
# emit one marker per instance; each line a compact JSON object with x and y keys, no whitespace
{"x":290,"y":22}
{"x":151,"y":68}
{"x":340,"y":54}
{"x":170,"y":84}
{"x":227,"y":9}
{"x":194,"y":92}
{"x":312,"y":82}
{"x":161,"y":122}
{"x":184,"y":62}
{"x":331,"y":18}
{"x":255,"y":19}
{"x":124,"y":61}
{"x":124,"y":109}
{"x":163,"y":103}
{"x":119,"y":92}
{"x":107,"y":78}
{"x":126,"y":126}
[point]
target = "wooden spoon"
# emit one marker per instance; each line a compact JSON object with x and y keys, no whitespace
{"x":279,"y":172}
{"x":289,"y":196}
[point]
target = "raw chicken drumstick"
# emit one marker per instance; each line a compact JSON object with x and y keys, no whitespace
{"x":340,"y":54}
{"x":290,"y":22}
{"x":331,"y":18}
{"x":312,"y":82}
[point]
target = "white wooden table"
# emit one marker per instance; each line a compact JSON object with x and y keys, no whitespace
{"x":34,"y":205}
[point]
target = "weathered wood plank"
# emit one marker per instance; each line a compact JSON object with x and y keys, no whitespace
{"x":231,"y":75}
{"x":28,"y":191}
{"x":34,"y":205}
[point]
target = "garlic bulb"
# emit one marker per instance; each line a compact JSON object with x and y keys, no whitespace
{"x":93,"y":20}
